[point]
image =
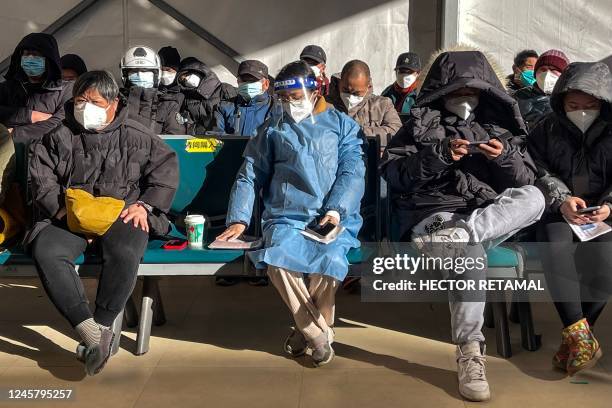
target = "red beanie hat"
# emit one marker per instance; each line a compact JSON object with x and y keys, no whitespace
{"x":553,"y":58}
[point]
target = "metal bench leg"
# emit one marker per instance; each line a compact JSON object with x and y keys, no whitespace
{"x":116,"y":328}
{"x":529,"y":339}
{"x":159,"y":316}
{"x":514,"y":313}
{"x":502,"y":332}
{"x":146,"y":318}
{"x":131,"y":313}
{"x":489,"y":322}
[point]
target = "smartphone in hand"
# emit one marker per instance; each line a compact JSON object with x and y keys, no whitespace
{"x":589,"y":209}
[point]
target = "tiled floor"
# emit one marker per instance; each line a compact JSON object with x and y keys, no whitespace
{"x":221,"y":347}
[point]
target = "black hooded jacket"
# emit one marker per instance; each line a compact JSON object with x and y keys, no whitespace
{"x":19,"y":97}
{"x":125,"y":160}
{"x":569,"y":162}
{"x":418,"y":167}
{"x":201,"y":102}
{"x":533,"y":103}
{"x":155,"y":109}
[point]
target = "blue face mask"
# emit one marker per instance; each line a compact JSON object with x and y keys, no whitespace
{"x":528,"y":78}
{"x":33,"y":65}
{"x":249,"y":90}
{"x":143,"y":79}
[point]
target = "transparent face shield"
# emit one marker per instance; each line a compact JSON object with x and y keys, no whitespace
{"x":296,"y":99}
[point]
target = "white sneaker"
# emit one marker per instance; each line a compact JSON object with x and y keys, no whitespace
{"x":447,"y":242}
{"x":471,"y":372}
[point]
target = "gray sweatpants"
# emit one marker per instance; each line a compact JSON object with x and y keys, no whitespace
{"x":513,"y":210}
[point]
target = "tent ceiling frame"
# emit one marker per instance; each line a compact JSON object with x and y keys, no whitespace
{"x":191,"y":25}
{"x":199,"y":31}
{"x":57,"y":25}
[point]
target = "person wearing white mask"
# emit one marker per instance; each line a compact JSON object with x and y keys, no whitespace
{"x":170,"y":64}
{"x":572,"y":148}
{"x":461,"y":182}
{"x":403,"y":91}
{"x":203,"y":92}
{"x":309,"y":164}
{"x":316,"y":58}
{"x":142,"y":179}
{"x":156,"y":109}
{"x":375,"y":114}
{"x":534,"y":100}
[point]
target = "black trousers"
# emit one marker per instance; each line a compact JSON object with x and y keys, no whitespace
{"x":54,"y":251}
{"x":578,"y":274}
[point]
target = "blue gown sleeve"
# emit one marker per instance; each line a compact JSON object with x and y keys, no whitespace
{"x":348,"y":189}
{"x":252,"y":176}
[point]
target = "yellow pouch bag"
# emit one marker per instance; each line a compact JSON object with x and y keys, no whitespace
{"x":89,"y":215}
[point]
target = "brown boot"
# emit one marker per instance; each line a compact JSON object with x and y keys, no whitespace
{"x":584,"y":350}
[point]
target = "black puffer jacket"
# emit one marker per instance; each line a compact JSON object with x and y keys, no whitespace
{"x":19,"y":97}
{"x":569,"y":162}
{"x":125,"y":161}
{"x":533,"y":104}
{"x":417,"y":165}
{"x":200,"y":103}
{"x":155,"y":109}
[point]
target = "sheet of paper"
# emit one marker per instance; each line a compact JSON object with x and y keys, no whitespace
{"x":589,"y":231}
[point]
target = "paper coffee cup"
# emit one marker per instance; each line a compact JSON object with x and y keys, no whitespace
{"x":195,"y":230}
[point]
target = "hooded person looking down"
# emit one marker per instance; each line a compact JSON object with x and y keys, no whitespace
{"x":456,"y":199}
{"x":203,"y":92}
{"x":572,"y":148}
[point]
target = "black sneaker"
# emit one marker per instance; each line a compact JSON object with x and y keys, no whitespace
{"x":295,"y":345}
{"x":226,"y":281}
{"x":97,"y":356}
{"x":258,"y":281}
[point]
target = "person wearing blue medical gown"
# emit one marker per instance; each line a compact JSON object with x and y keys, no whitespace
{"x":308,"y":161}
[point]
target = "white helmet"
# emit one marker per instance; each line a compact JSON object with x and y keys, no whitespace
{"x":140,"y":57}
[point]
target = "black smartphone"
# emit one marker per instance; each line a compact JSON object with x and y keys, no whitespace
{"x":477,"y":143}
{"x":588,"y":209}
{"x":324,"y":229}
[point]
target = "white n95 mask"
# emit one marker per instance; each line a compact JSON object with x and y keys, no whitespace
{"x":92,"y":117}
{"x":546,"y":81}
{"x":462,"y":106}
{"x":350,"y":100}
{"x":583,"y":119}
{"x":298,"y":110}
{"x":406,"y":80}
{"x":192,"y":81}
{"x":316,"y":70}
{"x":167,"y":77}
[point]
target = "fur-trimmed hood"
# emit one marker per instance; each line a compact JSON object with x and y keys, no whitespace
{"x":464,"y":67}
{"x":499,"y":72}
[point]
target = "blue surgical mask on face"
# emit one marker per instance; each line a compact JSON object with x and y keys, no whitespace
{"x":143,"y":79}
{"x":249,"y":90}
{"x":528,"y":78}
{"x":33,"y":65}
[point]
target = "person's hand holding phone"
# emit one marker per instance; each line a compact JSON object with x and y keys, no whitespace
{"x":599,"y":215}
{"x":458,"y":148}
{"x":493,"y":149}
{"x":570,"y":208}
{"x":329,"y":219}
